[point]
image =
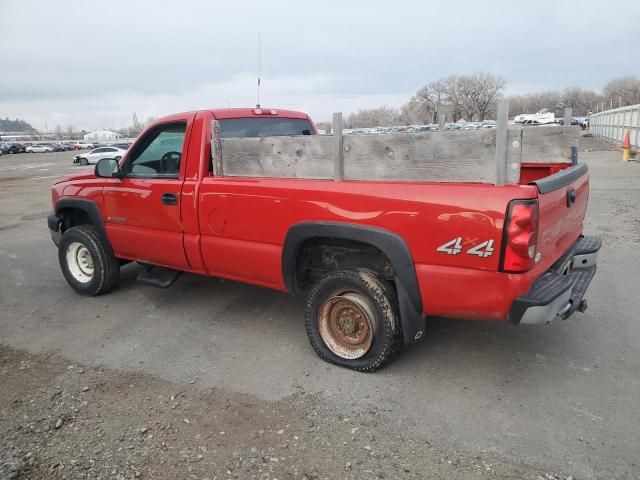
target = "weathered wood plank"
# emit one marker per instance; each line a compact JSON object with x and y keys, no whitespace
{"x":338,"y":156}
{"x":502,"y":119}
{"x":456,"y":156}
{"x":216,"y":149}
{"x":293,"y":157}
{"x":549,"y":144}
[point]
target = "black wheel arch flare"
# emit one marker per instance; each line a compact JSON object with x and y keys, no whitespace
{"x":92,"y":211}
{"x":389,"y":243}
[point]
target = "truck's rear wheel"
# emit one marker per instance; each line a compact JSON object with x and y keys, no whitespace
{"x":351,"y":319}
{"x":85,"y":262}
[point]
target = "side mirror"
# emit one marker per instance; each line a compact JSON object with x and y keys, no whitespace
{"x":106,"y":168}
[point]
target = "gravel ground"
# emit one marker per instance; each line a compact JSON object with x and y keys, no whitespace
{"x":67,"y":421}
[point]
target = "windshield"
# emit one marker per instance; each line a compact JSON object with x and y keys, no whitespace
{"x":264,"y":127}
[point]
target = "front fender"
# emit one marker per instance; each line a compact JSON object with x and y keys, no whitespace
{"x":92,"y":211}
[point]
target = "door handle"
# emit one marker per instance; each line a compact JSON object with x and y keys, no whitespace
{"x":169,"y":199}
{"x":571,"y":197}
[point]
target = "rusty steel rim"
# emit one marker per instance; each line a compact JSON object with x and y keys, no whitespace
{"x":345,"y":322}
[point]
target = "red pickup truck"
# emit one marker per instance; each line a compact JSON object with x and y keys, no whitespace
{"x":374,"y":258}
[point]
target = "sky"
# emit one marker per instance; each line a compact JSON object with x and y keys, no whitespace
{"x":91,"y":64}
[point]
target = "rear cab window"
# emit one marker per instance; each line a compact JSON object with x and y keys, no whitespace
{"x":264,"y":127}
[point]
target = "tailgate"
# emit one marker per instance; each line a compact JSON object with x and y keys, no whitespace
{"x":562,"y":200}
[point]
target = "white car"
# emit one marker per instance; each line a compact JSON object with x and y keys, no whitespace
{"x":39,"y":148}
{"x":83,"y":145}
{"x":96,"y":154}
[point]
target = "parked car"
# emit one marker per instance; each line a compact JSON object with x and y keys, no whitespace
{"x":583,"y":123}
{"x":97,"y":153}
{"x":514,"y":253}
{"x":56,"y":147}
{"x":420,"y":128}
{"x":41,"y":148}
{"x":13,"y":147}
{"x":83,"y":145}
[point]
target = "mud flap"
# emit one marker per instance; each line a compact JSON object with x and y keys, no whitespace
{"x":412,"y":321}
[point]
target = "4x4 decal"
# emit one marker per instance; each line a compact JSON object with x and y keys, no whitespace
{"x":455,"y":246}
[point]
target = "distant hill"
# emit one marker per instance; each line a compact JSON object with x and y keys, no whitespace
{"x":16,"y":125}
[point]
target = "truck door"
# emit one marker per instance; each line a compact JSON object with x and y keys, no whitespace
{"x":142,"y":209}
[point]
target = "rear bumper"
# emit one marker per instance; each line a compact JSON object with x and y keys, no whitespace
{"x":560,"y":292}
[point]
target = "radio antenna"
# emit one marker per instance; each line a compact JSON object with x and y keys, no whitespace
{"x":259,"y":68}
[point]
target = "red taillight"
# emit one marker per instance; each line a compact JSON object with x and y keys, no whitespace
{"x":520,"y":236}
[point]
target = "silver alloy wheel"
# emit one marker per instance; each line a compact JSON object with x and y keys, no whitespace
{"x":80,"y":262}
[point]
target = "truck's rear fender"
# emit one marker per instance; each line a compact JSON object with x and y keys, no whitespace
{"x":72,"y":211}
{"x":390,"y":244}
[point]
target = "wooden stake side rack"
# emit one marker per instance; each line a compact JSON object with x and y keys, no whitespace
{"x":492,"y":156}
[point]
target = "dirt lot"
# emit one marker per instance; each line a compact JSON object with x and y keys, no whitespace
{"x":62,"y":420}
{"x":143,"y":382}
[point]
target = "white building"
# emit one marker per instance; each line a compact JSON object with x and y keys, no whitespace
{"x":101,"y":135}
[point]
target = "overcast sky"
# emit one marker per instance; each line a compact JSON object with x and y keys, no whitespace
{"x":91,"y":64}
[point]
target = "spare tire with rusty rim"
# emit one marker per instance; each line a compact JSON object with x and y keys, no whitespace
{"x":352,"y":320}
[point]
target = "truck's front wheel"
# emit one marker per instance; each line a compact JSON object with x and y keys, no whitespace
{"x":352,"y":321}
{"x":85,"y":262}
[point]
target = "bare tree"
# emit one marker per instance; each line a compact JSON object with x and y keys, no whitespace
{"x":474,"y":97}
{"x":479,"y":94}
{"x":376,"y":117}
{"x":470,"y":96}
{"x":533,"y":102}
{"x":451,"y":90}
{"x":136,"y":127}
{"x":581,"y":101}
{"x":623,"y":91}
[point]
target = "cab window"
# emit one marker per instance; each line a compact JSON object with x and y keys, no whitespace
{"x":158,"y":153}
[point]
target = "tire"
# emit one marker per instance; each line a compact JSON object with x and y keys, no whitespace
{"x":86,"y":264}
{"x":334,"y":314}
{"x":84,"y":161}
